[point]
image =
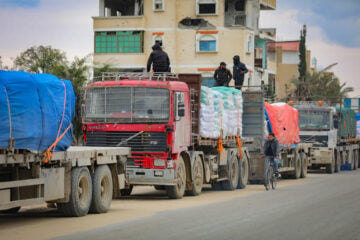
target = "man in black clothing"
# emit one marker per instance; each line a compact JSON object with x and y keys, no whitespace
{"x":159,"y":60}
{"x":271,"y":151}
{"x":222,"y":76}
{"x":239,"y":70}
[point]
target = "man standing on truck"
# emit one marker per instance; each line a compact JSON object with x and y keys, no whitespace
{"x":239,"y":70}
{"x":271,"y":152}
{"x":222,"y":76}
{"x":158,"y":59}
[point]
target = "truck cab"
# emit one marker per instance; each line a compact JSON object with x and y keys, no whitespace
{"x":151,"y":116}
{"x":318,"y":126}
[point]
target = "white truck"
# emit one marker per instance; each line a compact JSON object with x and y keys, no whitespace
{"x":78,"y":181}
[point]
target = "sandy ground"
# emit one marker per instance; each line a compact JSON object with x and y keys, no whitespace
{"x":40,"y":222}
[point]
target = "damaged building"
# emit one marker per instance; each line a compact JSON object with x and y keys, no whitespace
{"x":197,"y":35}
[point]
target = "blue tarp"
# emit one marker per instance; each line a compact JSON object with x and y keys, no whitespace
{"x":358,"y":117}
{"x":32,"y":110}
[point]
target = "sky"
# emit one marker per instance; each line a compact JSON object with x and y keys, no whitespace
{"x":333,"y":29}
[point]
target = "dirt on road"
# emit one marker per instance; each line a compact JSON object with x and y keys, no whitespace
{"x":40,"y":222}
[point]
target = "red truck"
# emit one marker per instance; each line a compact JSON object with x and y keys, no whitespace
{"x":157,"y":116}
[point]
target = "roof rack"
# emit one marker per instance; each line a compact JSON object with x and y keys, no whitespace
{"x":118,"y":76}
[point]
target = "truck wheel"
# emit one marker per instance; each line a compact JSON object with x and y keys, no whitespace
{"x":243,"y":172}
{"x":102,"y":190}
{"x":304,"y":166}
{"x":231,"y":184}
{"x":11,"y":210}
{"x":177,"y":191}
{"x":159,"y":187}
{"x":330,"y":168}
{"x":216,"y":186}
{"x":198,"y":178}
{"x":297,"y":165}
{"x":126,"y":192}
{"x":80,"y":194}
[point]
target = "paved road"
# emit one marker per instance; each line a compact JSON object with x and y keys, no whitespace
{"x":327,"y":207}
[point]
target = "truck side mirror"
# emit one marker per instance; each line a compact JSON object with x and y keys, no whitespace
{"x":181,"y":109}
{"x":83,"y":110}
{"x":179,"y":106}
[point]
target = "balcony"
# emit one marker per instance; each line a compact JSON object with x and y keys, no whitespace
{"x":267,"y":4}
{"x":135,"y":22}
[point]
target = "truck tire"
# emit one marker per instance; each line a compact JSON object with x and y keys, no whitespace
{"x":159,"y":187}
{"x":233,"y":166}
{"x":126,"y":192}
{"x":330,"y":168}
{"x":198,"y":178}
{"x":338,"y":162}
{"x":304,"y":166}
{"x":297,"y":165}
{"x":243,"y":172}
{"x":216,"y":186}
{"x":80,"y":194}
{"x":177,"y":191}
{"x":10,"y":211}
{"x":102,"y":190}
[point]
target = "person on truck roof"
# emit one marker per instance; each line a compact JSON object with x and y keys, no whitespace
{"x":239,"y":71}
{"x":222,"y":76}
{"x":158,"y":59}
{"x":271,"y":152}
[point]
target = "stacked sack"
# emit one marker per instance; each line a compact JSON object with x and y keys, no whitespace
{"x":221,"y":108}
{"x":210,"y":124}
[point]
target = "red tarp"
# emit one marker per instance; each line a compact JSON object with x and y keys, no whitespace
{"x":284,"y":122}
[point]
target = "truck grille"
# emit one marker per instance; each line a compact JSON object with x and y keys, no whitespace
{"x":144,"y":142}
{"x":319,"y":141}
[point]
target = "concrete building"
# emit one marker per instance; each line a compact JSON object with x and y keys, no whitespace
{"x":286,"y":56}
{"x":197,"y":34}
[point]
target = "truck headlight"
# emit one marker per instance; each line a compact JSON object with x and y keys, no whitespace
{"x":159,"y":162}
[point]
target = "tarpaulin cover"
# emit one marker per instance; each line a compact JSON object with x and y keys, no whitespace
{"x":284,"y":122}
{"x":35,"y":109}
{"x":348,"y":123}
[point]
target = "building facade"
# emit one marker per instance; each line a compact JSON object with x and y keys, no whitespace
{"x":196,"y":34}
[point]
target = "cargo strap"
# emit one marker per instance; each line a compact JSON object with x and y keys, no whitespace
{"x":220,"y":147}
{"x":239,"y":144}
{"x":49,"y":152}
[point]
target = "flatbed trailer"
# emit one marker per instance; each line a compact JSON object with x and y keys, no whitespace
{"x":293,"y":158}
{"x":78,"y":180}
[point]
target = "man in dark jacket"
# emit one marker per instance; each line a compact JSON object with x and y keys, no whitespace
{"x":239,"y":70}
{"x":222,"y":76}
{"x":271,"y":151}
{"x":158,"y":59}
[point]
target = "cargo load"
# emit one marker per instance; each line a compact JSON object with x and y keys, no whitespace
{"x":35,"y":111}
{"x":283,"y":121}
{"x":347,"y":124}
{"x":221,"y":110}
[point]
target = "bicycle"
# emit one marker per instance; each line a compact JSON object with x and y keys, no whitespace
{"x":270,"y":176}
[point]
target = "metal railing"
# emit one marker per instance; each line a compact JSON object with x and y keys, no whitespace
{"x":151,"y":76}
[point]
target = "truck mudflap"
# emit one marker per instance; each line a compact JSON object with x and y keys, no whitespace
{"x":138,"y":176}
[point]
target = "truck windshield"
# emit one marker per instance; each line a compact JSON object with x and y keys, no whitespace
{"x":127,"y":104}
{"x":314,"y":120}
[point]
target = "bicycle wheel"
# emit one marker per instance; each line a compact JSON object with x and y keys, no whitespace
{"x":273,"y":178}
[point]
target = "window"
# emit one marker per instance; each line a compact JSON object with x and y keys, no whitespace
{"x":119,"y":42}
{"x":207,"y":43}
{"x":249,"y":44}
{"x":240,"y":5}
{"x":207,"y":7}
{"x":208,"y":82}
{"x":159,"y":5}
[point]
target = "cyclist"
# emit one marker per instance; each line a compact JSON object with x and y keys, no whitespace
{"x":271,"y":152}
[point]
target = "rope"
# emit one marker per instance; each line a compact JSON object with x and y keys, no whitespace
{"x":49,"y":152}
{"x":239,"y":144}
{"x":9,"y":113}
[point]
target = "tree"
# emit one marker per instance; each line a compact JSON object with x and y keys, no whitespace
{"x":49,"y":60}
{"x":302,"y":90}
{"x":323,"y":86}
{"x":40,"y":59}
